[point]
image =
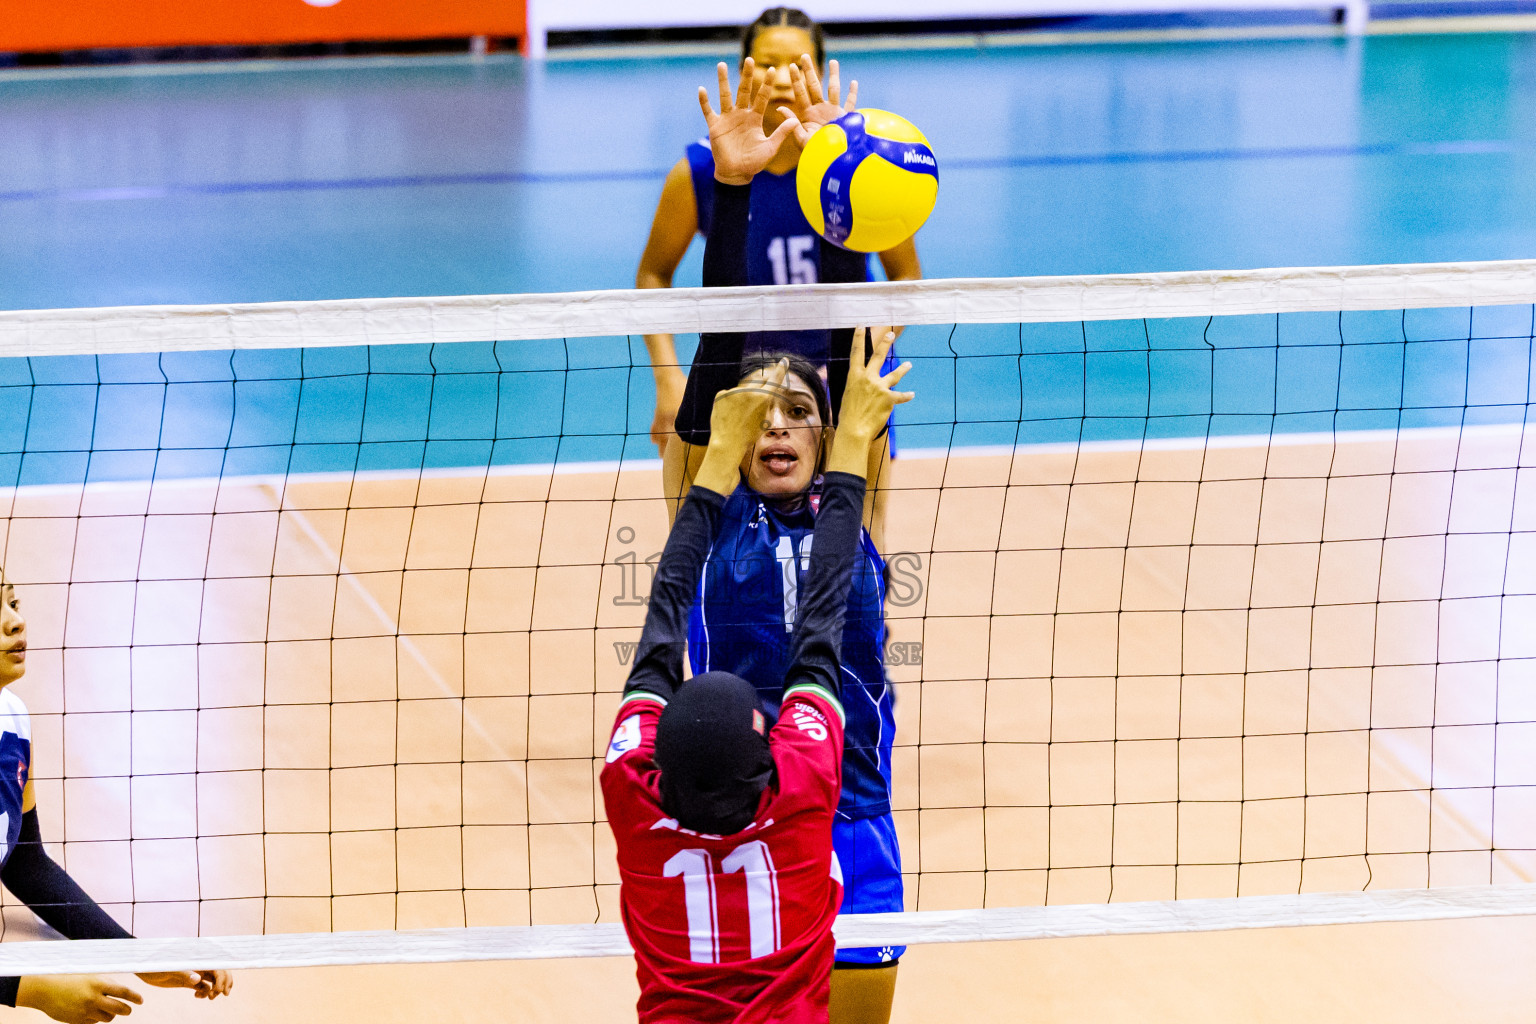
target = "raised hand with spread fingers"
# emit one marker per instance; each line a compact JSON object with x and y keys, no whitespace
{"x":736,"y":133}
{"x":867,"y":402}
{"x":813,"y":106}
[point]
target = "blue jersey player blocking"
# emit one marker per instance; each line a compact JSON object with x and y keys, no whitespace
{"x":39,"y":882}
{"x":744,"y":617}
{"x":782,"y":248}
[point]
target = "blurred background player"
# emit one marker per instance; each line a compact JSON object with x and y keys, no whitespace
{"x":758,"y":566}
{"x":39,"y":882}
{"x":782,"y":248}
{"x":723,"y":824}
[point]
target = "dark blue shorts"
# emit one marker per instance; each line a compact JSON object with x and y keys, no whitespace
{"x":871,"y":861}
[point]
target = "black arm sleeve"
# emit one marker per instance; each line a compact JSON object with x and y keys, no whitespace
{"x":45,"y":887}
{"x":39,"y":882}
{"x":717,"y":365}
{"x":659,"y":658}
{"x":824,"y":602}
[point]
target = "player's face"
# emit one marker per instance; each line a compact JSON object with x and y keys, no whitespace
{"x":773,"y":51}
{"x":784,"y":458}
{"x":13,"y":637}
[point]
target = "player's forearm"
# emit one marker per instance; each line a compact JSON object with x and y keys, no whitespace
{"x":651,"y":277}
{"x":824,"y":601}
{"x":38,"y":881}
{"x":720,"y":472}
{"x":662,"y":350}
{"x":717,"y":364}
{"x":850,"y":454}
{"x":902,"y":263}
{"x":725,"y":250}
{"x":659,"y":659}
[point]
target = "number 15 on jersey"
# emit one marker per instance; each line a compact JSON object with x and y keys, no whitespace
{"x":791,"y":259}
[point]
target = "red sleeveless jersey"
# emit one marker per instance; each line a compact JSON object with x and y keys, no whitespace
{"x":731,"y":928}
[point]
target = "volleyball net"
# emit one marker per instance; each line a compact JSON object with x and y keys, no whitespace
{"x":1209,"y":594}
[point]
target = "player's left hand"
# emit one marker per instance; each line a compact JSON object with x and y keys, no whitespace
{"x":204,"y":984}
{"x":814,"y":107}
{"x":736,"y":133}
{"x":867,"y":397}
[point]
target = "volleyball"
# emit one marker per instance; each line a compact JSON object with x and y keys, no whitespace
{"x":867,"y":181}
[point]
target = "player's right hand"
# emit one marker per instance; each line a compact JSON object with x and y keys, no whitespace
{"x":736,"y":133}
{"x":740,"y":415}
{"x":868,"y":398}
{"x":76,"y":998}
{"x":738,"y":419}
{"x":812,"y":107}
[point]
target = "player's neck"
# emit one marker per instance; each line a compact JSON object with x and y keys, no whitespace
{"x":786,"y":504}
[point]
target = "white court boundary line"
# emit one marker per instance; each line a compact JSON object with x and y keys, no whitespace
{"x":118,"y":329}
{"x":454,"y":945}
{"x":1194,"y":442}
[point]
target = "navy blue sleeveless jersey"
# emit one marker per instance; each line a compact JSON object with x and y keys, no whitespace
{"x":781,"y":247}
{"x":744,"y":615}
{"x":15,"y":762}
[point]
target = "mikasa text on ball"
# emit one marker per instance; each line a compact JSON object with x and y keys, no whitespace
{"x":868,"y":180}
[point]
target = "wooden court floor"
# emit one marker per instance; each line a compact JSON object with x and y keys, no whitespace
{"x":1145,"y":673}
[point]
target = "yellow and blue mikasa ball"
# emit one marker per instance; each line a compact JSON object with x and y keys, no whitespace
{"x":867,"y":181}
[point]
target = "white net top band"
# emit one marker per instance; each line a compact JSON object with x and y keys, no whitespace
{"x":119,"y":329}
{"x":446,"y":945}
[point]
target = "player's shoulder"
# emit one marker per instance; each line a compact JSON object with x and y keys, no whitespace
{"x":629,"y":725}
{"x":641,"y":700}
{"x":820,"y":703}
{"x":808,"y":749}
{"x":13,"y":715}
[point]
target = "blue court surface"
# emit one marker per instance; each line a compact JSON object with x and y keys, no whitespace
{"x":425,"y":176}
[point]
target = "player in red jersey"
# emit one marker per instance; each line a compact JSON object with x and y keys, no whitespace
{"x":723,"y":825}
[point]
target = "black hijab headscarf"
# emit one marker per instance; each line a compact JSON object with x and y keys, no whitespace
{"x":712,"y":749}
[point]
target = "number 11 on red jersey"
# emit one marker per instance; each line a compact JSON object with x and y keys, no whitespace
{"x":702,"y":906}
